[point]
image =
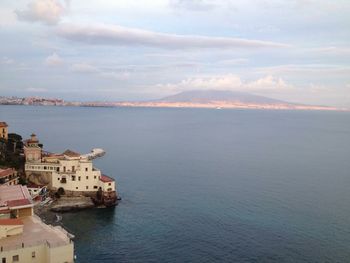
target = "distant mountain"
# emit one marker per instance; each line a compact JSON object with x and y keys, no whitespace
{"x":210,"y":96}
{"x":214,"y":99}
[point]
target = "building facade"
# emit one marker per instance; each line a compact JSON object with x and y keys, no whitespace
{"x":24,"y":237}
{"x":3,"y":130}
{"x":8,"y":176}
{"x":71,"y":171}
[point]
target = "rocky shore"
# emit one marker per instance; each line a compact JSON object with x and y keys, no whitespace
{"x":69,"y":204}
{"x":48,"y":212}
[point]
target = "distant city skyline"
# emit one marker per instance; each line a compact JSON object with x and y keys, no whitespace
{"x":295,"y":50}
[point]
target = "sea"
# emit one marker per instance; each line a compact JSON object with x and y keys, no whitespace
{"x":206,"y":185}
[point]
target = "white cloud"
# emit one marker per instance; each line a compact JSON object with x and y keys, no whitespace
{"x":46,"y":11}
{"x":332,"y":50}
{"x":116,"y":75}
{"x":269,"y":83}
{"x":119,"y":35}
{"x":88,"y":68}
{"x":53,"y":60}
{"x":230,"y":82}
{"x":38,"y":90}
{"x":306,"y":69}
{"x":84,"y":68}
{"x":7,"y":61}
{"x":7,"y":17}
{"x":195,"y":5}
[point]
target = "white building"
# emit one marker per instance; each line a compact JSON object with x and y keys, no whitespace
{"x":24,"y":237}
{"x":71,"y":171}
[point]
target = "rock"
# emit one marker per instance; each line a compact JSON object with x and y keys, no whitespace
{"x":68,"y":204}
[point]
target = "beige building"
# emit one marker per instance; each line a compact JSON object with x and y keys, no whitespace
{"x":71,"y":171}
{"x":3,"y":130}
{"x":24,"y":237}
{"x":8,"y":176}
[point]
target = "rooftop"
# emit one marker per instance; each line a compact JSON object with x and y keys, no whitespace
{"x":6,"y":172}
{"x":14,"y":195}
{"x":3,"y":124}
{"x":106,"y":179}
{"x":35,"y":232}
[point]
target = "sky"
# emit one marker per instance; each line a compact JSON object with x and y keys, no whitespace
{"x":293,"y":50}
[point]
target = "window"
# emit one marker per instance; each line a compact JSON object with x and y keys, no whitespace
{"x":87,"y":177}
{"x":58,"y":169}
{"x":33,"y":254}
{"x":73,"y":177}
{"x":109,"y":183}
{"x":87,"y":187}
{"x":95,"y":186}
{"x":15,"y":258}
{"x":58,"y":178}
{"x":79,"y":177}
{"x":95,"y":177}
{"x":3,"y":260}
{"x":86,"y":169}
{"x":64,"y":168}
{"x":76,"y":188}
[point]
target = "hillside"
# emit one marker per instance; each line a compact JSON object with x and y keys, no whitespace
{"x":210,"y":96}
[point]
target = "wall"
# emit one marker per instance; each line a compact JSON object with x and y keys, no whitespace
{"x":10,"y":230}
{"x":4,"y":132}
{"x":25,"y":212}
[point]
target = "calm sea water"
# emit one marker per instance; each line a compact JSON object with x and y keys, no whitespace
{"x":207,"y":185}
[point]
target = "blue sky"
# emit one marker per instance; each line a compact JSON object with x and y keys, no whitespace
{"x":294,"y":50}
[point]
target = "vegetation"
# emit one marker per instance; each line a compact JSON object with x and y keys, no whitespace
{"x":11,"y":152}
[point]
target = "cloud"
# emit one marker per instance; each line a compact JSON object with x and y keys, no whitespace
{"x":117,"y":35}
{"x":269,"y":83}
{"x":7,"y":61}
{"x":84,"y":68}
{"x":230,"y":82}
{"x":7,"y":17}
{"x":53,"y":60}
{"x":45,"y":11}
{"x":41,"y":90}
{"x":88,"y":68}
{"x":332,"y":50}
{"x":319,"y":70}
{"x":116,"y":75}
{"x":194,"y":5}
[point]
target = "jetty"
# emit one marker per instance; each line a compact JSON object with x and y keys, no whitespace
{"x":95,"y":153}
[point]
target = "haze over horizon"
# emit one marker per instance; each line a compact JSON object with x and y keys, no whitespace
{"x":296,"y":50}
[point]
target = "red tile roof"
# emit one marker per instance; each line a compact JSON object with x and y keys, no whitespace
{"x":14,"y":195}
{"x":6,"y":172}
{"x":106,"y":179}
{"x":3,"y":124}
{"x":20,"y":202}
{"x":11,"y":222}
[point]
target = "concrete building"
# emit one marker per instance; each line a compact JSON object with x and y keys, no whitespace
{"x":24,"y":237}
{"x":3,"y":130}
{"x":71,"y":171}
{"x":8,"y":176}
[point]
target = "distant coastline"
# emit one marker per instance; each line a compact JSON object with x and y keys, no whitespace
{"x":192,"y":99}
